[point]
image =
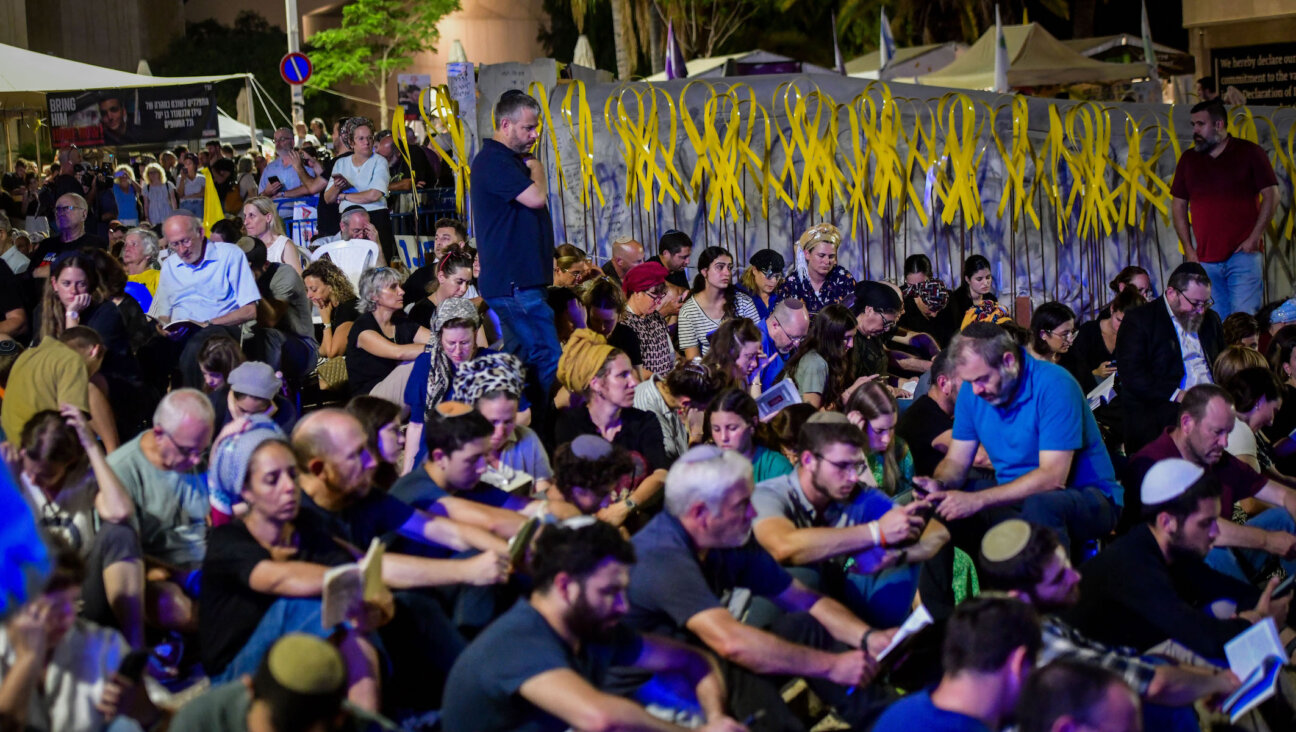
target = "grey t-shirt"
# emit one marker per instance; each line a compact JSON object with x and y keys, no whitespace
{"x":526,"y":453}
{"x":648,"y":398}
{"x":170,"y":508}
{"x":811,"y":374}
{"x":287,"y":287}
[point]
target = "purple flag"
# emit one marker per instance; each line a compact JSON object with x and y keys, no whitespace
{"x":675,"y":68}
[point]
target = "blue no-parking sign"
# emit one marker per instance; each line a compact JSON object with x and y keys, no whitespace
{"x":295,"y":68}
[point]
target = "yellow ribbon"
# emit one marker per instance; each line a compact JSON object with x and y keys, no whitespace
{"x":447,"y":110}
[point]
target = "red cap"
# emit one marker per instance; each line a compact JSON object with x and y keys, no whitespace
{"x":643,"y":277}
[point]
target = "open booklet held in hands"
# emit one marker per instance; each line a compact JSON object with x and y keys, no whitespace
{"x":776,"y":398}
{"x":1256,"y":656}
{"x":347,"y":587}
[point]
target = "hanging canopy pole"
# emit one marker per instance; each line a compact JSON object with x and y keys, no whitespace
{"x":251,"y":102}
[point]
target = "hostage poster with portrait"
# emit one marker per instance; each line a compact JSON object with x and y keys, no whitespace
{"x":145,"y":115}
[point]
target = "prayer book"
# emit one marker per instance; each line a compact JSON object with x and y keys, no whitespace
{"x":349,"y":586}
{"x":775,"y":398}
{"x":1256,"y":656}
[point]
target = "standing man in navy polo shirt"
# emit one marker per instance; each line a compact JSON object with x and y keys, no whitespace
{"x":515,"y":238}
{"x":1230,"y":186}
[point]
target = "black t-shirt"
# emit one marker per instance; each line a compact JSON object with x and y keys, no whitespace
{"x":10,"y":290}
{"x":1130,"y":596}
{"x":377,"y":515}
{"x":921,"y":423}
{"x":106,"y":319}
{"x":399,"y":170}
{"x":942,"y":326}
{"x":50,"y":249}
{"x":669,"y":584}
{"x":1087,"y":353}
{"x":12,"y":207}
{"x":231,"y":609}
{"x":416,"y":285}
{"x":1283,"y":424}
{"x":624,"y":338}
{"x":482,"y":693}
{"x":423,"y":312}
{"x":640,"y":433}
{"x":365,"y":370}
{"x":346,"y":312}
{"x":679,"y":279}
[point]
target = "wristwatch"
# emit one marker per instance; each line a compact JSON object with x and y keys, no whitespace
{"x":631,"y":505}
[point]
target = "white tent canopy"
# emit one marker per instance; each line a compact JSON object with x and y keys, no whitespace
{"x":714,"y":66}
{"x":27,"y":71}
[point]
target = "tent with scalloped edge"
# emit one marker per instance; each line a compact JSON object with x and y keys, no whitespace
{"x":1035,"y":58}
{"x":908,"y":62}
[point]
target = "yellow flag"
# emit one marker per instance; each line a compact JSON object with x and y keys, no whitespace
{"x":213,"y":209}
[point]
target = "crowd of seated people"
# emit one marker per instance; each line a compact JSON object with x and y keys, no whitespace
{"x":593,"y":514}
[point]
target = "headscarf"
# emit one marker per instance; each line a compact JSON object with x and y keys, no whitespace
{"x":440,"y":370}
{"x":986,"y":311}
{"x":486,"y":374}
{"x":582,"y":357}
{"x":933,"y":293}
{"x":813,"y":237}
{"x":229,"y":460}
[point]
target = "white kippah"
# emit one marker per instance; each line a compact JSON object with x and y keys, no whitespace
{"x":1169,"y":479}
{"x":1006,"y":540}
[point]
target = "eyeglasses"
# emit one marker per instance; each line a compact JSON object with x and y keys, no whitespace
{"x":887,"y":325}
{"x":846,"y":466}
{"x":65,"y":209}
{"x":1196,"y":304}
{"x":1069,"y":335}
{"x":794,"y":340}
{"x":189,"y":452}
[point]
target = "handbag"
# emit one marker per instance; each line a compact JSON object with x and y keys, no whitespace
{"x":333,"y":372}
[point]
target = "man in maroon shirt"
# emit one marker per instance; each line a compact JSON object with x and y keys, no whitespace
{"x":1220,"y":179}
{"x":1242,"y":550}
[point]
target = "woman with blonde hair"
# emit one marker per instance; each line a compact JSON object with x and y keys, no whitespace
{"x":1234,"y":359}
{"x":818,"y":280}
{"x":159,"y":194}
{"x":125,"y":193}
{"x":261,"y":221}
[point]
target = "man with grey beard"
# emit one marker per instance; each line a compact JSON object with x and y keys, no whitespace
{"x":1221,"y":178}
{"x":1050,"y":464}
{"x":1165,"y":348}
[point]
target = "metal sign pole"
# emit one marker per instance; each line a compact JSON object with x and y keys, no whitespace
{"x":294,"y":46}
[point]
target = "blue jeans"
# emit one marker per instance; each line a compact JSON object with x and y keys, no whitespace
{"x":286,"y":615}
{"x":527,"y":323}
{"x":1237,"y":283}
{"x":1248,"y":564}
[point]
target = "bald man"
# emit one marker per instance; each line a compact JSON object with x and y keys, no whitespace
{"x":332,"y":447}
{"x":70,"y":212}
{"x":337,"y":480}
{"x":626,"y":253}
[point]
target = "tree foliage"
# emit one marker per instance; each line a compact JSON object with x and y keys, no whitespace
{"x":377,"y":39}
{"x":251,"y":44}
